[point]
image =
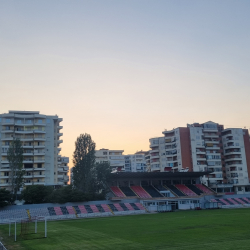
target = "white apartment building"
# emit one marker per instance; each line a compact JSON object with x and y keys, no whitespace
{"x":135,"y":162}
{"x":114,"y":157}
{"x":41,"y":138}
{"x":119,"y":162}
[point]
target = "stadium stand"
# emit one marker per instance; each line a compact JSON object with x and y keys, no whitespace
{"x":152,"y":191}
{"x":39,"y":212}
{"x":105,"y":207}
{"x":140,"y":192}
{"x":160,"y":188}
{"x":70,"y":210}
{"x":185,"y":190}
{"x":118,"y":207}
{"x":100,"y":209}
{"x":58,"y":211}
{"x":128,"y":191}
{"x":134,"y":206}
{"x":246,"y":200}
{"x":140,"y":206}
{"x":78,"y":211}
{"x":195,"y":189}
{"x":64,"y":210}
{"x":82,"y":209}
{"x":94,"y":208}
{"x":240,"y":201}
{"x":51,"y":211}
{"x":204,"y":189}
{"x":175,"y":190}
{"x":123,"y":207}
{"x":232,"y":201}
{"x":112,"y":207}
{"x":88,"y":209}
{"x":128,"y":205}
{"x":223,"y":201}
{"x":117,"y":192}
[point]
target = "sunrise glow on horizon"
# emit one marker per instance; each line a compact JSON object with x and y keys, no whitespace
{"x":123,"y":71}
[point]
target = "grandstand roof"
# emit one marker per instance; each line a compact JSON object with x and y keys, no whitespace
{"x":150,"y":175}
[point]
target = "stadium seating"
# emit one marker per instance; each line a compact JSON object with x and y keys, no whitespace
{"x":113,"y":208}
{"x":223,"y":201}
{"x":88,"y":209}
{"x":117,"y":192}
{"x":140,"y":206}
{"x":195,"y":189}
{"x":134,"y":206}
{"x":94,"y":208}
{"x":175,"y":190}
{"x":123,"y":207}
{"x":140,"y":192}
{"x":246,"y":200}
{"x":185,"y":190}
{"x":105,"y":207}
{"x":14,"y":214}
{"x":64,"y":210}
{"x":152,"y":191}
{"x":58,"y":211}
{"x":160,"y":187}
{"x":204,"y":189}
{"x":118,"y":207}
{"x":70,"y":210}
{"x":240,"y":201}
{"x":42,"y":212}
{"x":233,"y":201}
{"x":128,"y":191}
{"x":128,"y":205}
{"x":82,"y":209}
{"x":100,"y":209}
{"x":51,"y":211}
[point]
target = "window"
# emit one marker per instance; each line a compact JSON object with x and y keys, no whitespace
{"x":6,"y":173}
{"x":0,"y":119}
{"x":28,"y":121}
{"x":237,"y":144}
{"x":48,"y":121}
{"x":40,"y":121}
{"x":18,"y":121}
{"x":105,"y":153}
{"x":197,"y":137}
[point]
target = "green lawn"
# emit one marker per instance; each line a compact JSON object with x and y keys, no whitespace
{"x":222,"y":229}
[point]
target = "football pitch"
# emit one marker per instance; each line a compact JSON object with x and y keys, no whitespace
{"x":223,"y":229}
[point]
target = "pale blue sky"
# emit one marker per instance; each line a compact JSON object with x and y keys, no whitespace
{"x":125,"y":70}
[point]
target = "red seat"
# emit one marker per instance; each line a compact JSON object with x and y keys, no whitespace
{"x":204,"y":189}
{"x":185,"y":190}
{"x":140,"y":191}
{"x":117,"y":191}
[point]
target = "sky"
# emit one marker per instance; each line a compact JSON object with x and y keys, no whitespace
{"x":125,"y":70}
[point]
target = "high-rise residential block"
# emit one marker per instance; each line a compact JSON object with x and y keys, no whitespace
{"x":205,"y":147}
{"x":41,"y":138}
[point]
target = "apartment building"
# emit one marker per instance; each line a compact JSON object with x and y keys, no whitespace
{"x":202,"y":147}
{"x":114,"y":157}
{"x":41,"y":138}
{"x":119,"y":162}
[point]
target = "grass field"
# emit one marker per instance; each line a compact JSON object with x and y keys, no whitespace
{"x":222,"y":229}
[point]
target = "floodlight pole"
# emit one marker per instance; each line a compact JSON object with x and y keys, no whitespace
{"x":35,"y":226}
{"x":9,"y":227}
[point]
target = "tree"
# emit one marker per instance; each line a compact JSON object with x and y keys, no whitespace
{"x":36,"y":194}
{"x":103,"y":173}
{"x":5,"y":197}
{"x":66,"y":194}
{"x":84,"y":172}
{"x":15,"y":158}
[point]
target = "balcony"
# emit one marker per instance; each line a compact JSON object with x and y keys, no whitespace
{"x":39,"y":138}
{"x":59,"y":142}
{"x":39,"y":152}
{"x":8,"y":122}
{"x":7,"y":130}
{"x":59,"y":134}
{"x":59,"y":127}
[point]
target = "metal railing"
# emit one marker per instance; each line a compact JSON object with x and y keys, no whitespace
{"x":2,"y":247}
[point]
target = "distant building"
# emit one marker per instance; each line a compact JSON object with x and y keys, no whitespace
{"x":204,"y":147}
{"x":119,"y":162}
{"x":40,"y":137}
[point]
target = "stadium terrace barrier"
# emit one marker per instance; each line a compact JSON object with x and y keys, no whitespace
{"x":72,"y":212}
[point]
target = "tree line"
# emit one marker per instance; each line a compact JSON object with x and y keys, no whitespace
{"x":89,"y":182}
